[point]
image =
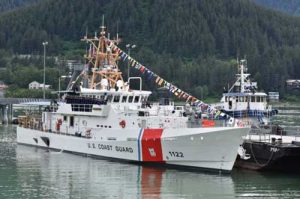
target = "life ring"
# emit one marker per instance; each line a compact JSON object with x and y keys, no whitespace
{"x":240,"y":124}
{"x":88,"y":132}
{"x":122,"y":123}
{"x":58,"y":123}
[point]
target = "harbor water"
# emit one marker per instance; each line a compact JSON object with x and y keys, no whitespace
{"x":288,"y":117}
{"x":29,"y":172}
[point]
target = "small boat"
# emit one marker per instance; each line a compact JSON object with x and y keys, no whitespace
{"x":243,"y":101}
{"x":103,"y":116}
{"x":266,"y":147}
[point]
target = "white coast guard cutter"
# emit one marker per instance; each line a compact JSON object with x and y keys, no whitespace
{"x":109,"y":120}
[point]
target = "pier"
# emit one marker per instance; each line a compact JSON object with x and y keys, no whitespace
{"x":6,"y":106}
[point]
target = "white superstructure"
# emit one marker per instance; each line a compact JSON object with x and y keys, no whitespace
{"x":243,"y":101}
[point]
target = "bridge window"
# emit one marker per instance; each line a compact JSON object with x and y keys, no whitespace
{"x":252,"y":98}
{"x":124,"y":99}
{"x":258,"y":98}
{"x":136,"y":99}
{"x":109,"y":98}
{"x":71,"y":121}
{"x":116,"y":98}
{"x":65,"y":118}
{"x":82,"y":107}
{"x":130,"y":98}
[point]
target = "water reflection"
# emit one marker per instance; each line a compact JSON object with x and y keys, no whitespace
{"x":29,"y":172}
{"x":251,"y":184}
{"x":57,"y":175}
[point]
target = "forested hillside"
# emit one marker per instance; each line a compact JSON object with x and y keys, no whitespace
{"x":6,"y":5}
{"x":193,"y":43}
{"x":288,"y":6}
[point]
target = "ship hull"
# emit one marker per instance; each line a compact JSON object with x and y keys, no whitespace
{"x":270,"y":157}
{"x":203,"y":149}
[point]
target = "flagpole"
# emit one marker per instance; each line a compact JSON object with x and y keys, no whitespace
{"x":44,"y":82}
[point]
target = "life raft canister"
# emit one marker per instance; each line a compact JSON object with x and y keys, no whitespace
{"x":122,"y":123}
{"x":207,"y":123}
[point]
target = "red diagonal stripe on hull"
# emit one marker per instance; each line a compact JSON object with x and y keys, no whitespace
{"x":151,"y":145}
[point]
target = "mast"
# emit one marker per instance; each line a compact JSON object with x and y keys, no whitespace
{"x":242,"y":75}
{"x":102,"y":61}
{"x":241,"y":81}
